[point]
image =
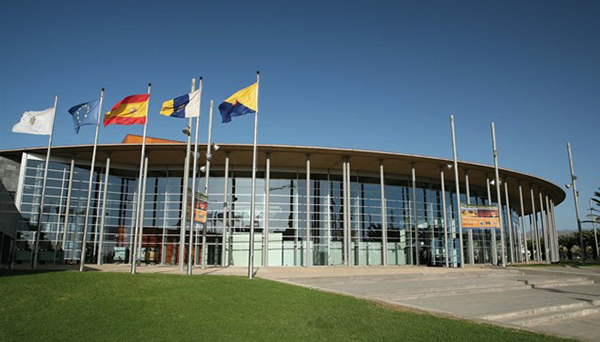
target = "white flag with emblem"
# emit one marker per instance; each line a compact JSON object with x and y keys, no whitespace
{"x":36,"y":122}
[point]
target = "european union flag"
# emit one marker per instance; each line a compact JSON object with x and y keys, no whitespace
{"x":85,"y":114}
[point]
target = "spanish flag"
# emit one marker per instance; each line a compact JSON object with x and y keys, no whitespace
{"x":131,"y":110}
{"x":241,"y":103}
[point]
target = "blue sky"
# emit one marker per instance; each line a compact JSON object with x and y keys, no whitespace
{"x":381,"y":75}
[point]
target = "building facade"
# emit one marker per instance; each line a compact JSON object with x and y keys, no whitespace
{"x":314,"y":207}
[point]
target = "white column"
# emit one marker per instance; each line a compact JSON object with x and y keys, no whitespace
{"x":68,"y":206}
{"x":509,"y":218}
{"x":446,"y":252}
{"x":471,"y":248}
{"x":225,"y":212}
{"x":415,"y":216}
{"x":266,"y":211}
{"x":492,"y":231}
{"x":384,"y":239}
{"x":524,"y":248}
{"x":307,"y":245}
{"x":103,"y":215}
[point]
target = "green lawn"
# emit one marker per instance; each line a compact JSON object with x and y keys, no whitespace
{"x":93,"y":306}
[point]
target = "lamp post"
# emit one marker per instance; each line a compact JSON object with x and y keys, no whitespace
{"x":576,"y":198}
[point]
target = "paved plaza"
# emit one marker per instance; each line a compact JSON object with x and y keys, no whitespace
{"x":564,"y":302}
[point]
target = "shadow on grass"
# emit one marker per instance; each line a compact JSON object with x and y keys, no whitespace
{"x":21,"y":272}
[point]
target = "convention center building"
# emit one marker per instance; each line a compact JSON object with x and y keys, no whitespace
{"x":315,"y":206}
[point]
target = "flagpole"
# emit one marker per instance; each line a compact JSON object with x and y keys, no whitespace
{"x":192,"y":207}
{"x":498,"y":195}
{"x":34,"y":262}
{"x":186,"y":174}
{"x":89,"y":194}
{"x":206,"y":178}
{"x":252,"y":199}
{"x":457,"y":185}
{"x":139,"y":191}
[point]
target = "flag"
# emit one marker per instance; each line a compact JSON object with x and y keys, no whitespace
{"x":186,"y":106}
{"x":241,"y":103}
{"x":85,"y":114}
{"x":36,"y":122}
{"x":131,"y":110}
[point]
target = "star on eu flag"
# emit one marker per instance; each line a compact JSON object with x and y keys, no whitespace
{"x":85,"y":114}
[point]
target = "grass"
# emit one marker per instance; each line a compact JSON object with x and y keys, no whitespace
{"x":94,"y":306}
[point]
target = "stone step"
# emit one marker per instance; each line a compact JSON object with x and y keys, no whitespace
{"x":427,"y":293}
{"x":554,"y":316}
{"x":536,"y":311}
{"x":403,"y":278}
{"x":424,"y":289}
{"x":548,"y":284}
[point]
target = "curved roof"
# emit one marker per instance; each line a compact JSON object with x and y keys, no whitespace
{"x":321,"y":158}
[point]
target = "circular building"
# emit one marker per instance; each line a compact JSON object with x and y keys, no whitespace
{"x":320,"y":206}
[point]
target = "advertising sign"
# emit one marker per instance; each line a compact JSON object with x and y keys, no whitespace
{"x":200,"y":206}
{"x":479,"y":216}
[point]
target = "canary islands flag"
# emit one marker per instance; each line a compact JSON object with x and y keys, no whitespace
{"x":131,"y":110}
{"x":241,"y":103}
{"x":186,"y":106}
{"x":36,"y":122}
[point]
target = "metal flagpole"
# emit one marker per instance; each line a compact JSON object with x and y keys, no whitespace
{"x":498,"y":196}
{"x":206,"y":180}
{"x":444,"y":215}
{"x":252,"y":199}
{"x":90,"y":183}
{"x":186,"y":175}
{"x":139,"y":191}
{"x":457,"y":184}
{"x":225,"y":196}
{"x":194,"y":168}
{"x":103,"y":215}
{"x":38,"y":231}
{"x":576,"y":198}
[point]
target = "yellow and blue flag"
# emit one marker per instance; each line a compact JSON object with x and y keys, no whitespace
{"x":241,"y":103}
{"x":85,"y":114}
{"x":186,"y":106}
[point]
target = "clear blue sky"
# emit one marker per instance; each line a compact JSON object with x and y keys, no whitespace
{"x":381,"y":75}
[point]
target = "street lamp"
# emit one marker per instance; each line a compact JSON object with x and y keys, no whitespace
{"x":576,"y":198}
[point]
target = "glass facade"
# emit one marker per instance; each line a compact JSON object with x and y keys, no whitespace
{"x":415,"y":223}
